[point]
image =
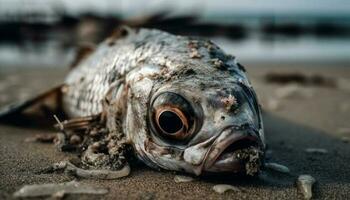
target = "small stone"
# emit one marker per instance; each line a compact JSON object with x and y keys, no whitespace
{"x":182,"y":179}
{"x":316,"y":150}
{"x":222,"y":188}
{"x":277,"y":167}
{"x":304,"y":184}
{"x":49,"y":189}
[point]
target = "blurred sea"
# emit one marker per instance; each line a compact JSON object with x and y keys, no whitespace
{"x":34,"y":36}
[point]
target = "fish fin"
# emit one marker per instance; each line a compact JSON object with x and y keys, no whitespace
{"x":79,"y":123}
{"x":82,"y":52}
{"x":49,"y":102}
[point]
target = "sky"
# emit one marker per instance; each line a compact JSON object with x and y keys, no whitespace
{"x":205,"y":7}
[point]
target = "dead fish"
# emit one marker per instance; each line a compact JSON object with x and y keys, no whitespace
{"x":147,"y":94}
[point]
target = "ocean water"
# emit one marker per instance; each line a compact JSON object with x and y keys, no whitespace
{"x":255,"y":46}
{"x":252,"y":49}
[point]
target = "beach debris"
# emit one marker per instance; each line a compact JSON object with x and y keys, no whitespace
{"x":316,"y":150}
{"x":222,"y":188}
{"x":50,"y":189}
{"x":299,"y":78}
{"x":70,"y":169}
{"x":43,"y":138}
{"x":183,"y":179}
{"x":277,"y":167}
{"x":304,"y":184}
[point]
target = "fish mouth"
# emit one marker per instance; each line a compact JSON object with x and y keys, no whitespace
{"x":235,"y":150}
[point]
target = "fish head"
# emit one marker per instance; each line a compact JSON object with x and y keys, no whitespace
{"x":184,"y":126}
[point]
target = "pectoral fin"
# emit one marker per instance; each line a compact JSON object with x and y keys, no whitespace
{"x":47,"y":103}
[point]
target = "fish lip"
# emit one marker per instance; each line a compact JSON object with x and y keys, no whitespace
{"x":227,"y":137}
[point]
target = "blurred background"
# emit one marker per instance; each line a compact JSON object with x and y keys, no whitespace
{"x":45,"y":32}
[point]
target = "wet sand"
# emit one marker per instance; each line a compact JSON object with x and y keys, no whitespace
{"x":310,"y":117}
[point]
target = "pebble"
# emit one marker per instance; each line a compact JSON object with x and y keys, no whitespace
{"x":49,"y":189}
{"x":316,"y":150}
{"x":183,"y":179}
{"x":222,"y":188}
{"x":304,"y":184}
{"x":277,"y":167}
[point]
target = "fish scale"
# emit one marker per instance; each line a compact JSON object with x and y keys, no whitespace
{"x":89,"y":81}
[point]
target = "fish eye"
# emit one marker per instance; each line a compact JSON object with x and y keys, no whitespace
{"x":172,"y":116}
{"x":171,"y":121}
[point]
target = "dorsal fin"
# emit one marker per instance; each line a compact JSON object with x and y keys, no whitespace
{"x":83,"y":51}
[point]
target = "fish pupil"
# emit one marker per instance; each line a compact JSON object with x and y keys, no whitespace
{"x":170,"y":122}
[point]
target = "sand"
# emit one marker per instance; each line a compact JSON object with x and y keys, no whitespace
{"x":293,"y":123}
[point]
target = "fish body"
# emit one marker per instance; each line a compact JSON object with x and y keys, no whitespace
{"x":181,"y":103}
